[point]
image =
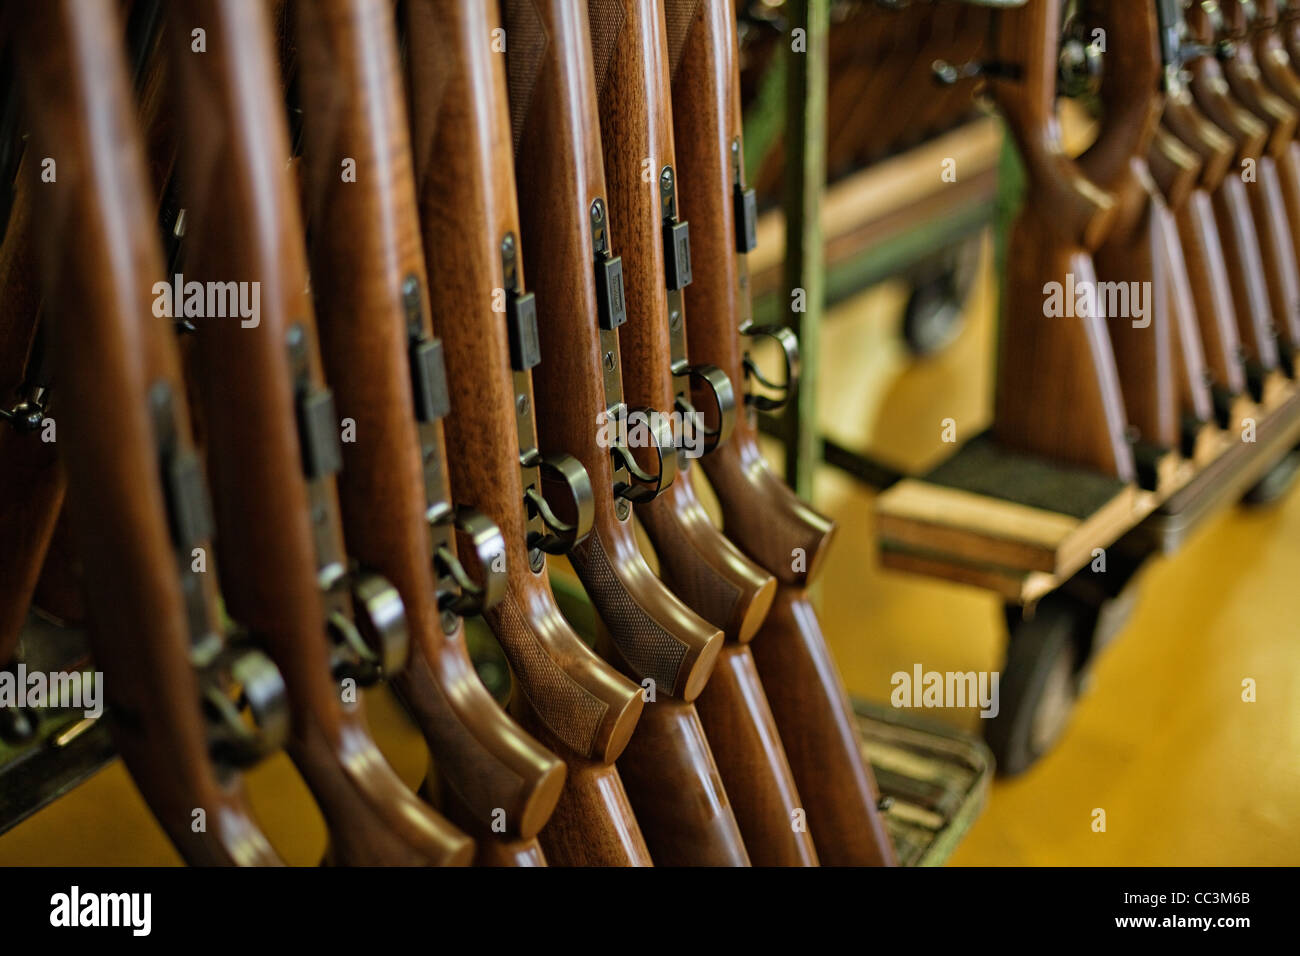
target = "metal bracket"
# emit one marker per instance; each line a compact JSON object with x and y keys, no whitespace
{"x":242,"y":691}
{"x":364,"y":615}
{"x":688,"y":379}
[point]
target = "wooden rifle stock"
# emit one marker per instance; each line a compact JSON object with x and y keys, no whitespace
{"x":1207,"y":267}
{"x":135,"y":487}
{"x":31,"y":479}
{"x":678,"y":798}
{"x":1279,"y":71}
{"x":368,"y":273}
{"x":1278,"y":195}
{"x":734,"y":707}
{"x":1246,"y":217}
{"x":1289,"y":26}
{"x":1175,"y":169}
{"x":272,"y":437}
{"x":1130,"y":255}
{"x":576,"y":703}
{"x":630,"y":50}
{"x":762,"y":516}
{"x":1058,"y":391}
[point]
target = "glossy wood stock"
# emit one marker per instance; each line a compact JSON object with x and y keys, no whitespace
{"x":100,"y":260}
{"x":769,"y":523}
{"x":1207,"y":267}
{"x":31,"y":479}
{"x":1176,"y":169}
{"x":365,"y":248}
{"x":733,"y":708}
{"x":1248,"y":221}
{"x":632,"y":52}
{"x":1280,"y":73}
{"x":1130,"y":254}
{"x":669,"y":771}
{"x":1058,"y":391}
{"x":1277,"y":200}
{"x":244,"y":226}
{"x":575,"y":702}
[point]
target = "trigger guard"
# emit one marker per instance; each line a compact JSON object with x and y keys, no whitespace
{"x":489,"y":544}
{"x":561,"y":536}
{"x":644,"y":486}
{"x":262,"y":690}
{"x":381,"y":619}
{"x":789,"y":342}
{"x":724,"y":401}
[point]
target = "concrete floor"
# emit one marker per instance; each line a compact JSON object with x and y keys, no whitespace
{"x":1186,"y":772}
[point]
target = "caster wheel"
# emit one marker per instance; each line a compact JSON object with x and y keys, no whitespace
{"x":1039,"y":684}
{"x":935,"y":311}
{"x":1275,"y":483}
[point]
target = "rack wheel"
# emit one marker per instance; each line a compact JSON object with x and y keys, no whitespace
{"x":1039,"y":682}
{"x":936,"y":309}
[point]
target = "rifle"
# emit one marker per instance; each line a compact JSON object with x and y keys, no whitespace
{"x":1175,"y":170}
{"x":1065,"y":361}
{"x":1289,"y":26}
{"x":567,"y":229}
{"x":387,"y":369}
{"x":1130,"y":253}
{"x":188,"y":710}
{"x":1185,"y":126}
{"x":273,"y":440}
{"x":1252,"y":223}
{"x":576,"y":704}
{"x":31,"y":480}
{"x":1281,"y":191}
{"x":1279,"y":72}
{"x":704,"y":71}
{"x":763,"y":517}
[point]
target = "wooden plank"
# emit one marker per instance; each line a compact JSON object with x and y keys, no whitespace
{"x":888,"y":187}
{"x":1017,"y":587}
{"x":965,"y":524}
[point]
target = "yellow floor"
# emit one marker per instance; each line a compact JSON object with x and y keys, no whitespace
{"x":1186,"y":772}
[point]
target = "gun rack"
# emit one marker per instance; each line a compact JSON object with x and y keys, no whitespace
{"x":933,"y":781}
{"x":1020,"y":527}
{"x":885,"y":219}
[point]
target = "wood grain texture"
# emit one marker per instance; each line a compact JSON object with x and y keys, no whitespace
{"x":733,"y":708}
{"x":1185,"y":170}
{"x":593,"y":824}
{"x":1277,"y":201}
{"x":820,"y":735}
{"x":245,"y":226}
{"x":366,"y":247}
{"x":698,"y":563}
{"x":31,"y":479}
{"x":1280,"y":74}
{"x":560,"y":177}
{"x":655,"y":635}
{"x":572,"y":700}
{"x":1058,"y":391}
{"x":99,"y":259}
{"x":1207,"y":266}
{"x":773,"y":526}
{"x":1117,"y":162}
{"x":1244,"y":215}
